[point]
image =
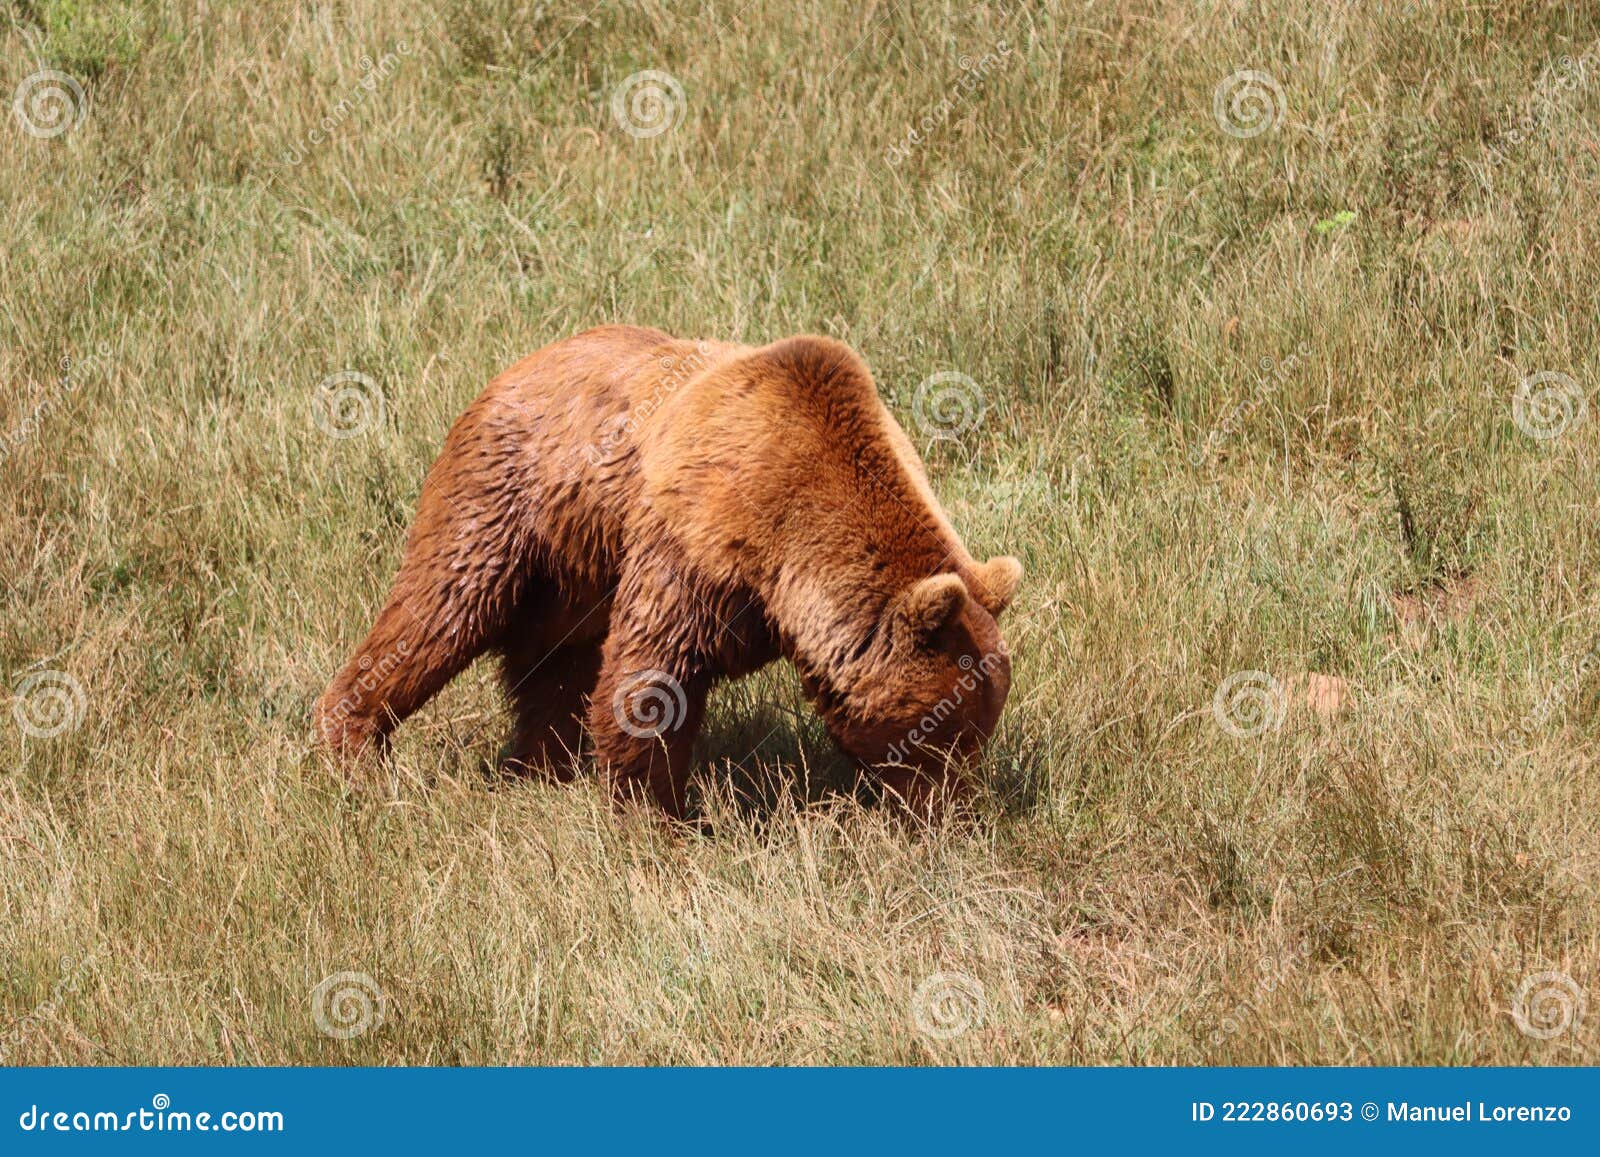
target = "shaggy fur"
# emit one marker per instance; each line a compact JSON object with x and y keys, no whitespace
{"x":627,"y":518}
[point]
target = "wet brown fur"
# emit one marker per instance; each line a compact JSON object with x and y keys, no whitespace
{"x":624,"y":502}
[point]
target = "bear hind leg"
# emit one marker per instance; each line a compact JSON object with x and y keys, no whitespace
{"x":451,"y":601}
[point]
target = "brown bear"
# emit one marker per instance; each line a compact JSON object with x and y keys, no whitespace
{"x":627,"y":518}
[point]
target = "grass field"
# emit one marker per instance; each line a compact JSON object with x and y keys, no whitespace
{"x":1268,"y":342}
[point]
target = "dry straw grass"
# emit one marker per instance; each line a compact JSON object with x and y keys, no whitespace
{"x":1366,"y":882}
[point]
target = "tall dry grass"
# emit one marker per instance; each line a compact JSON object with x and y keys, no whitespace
{"x":1245,"y":404}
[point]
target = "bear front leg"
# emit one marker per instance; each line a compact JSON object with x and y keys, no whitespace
{"x":643,"y":722}
{"x":650,"y":699}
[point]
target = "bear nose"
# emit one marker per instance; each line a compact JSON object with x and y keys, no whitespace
{"x":995,"y":690}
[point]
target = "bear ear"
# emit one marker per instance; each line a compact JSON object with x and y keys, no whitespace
{"x":995,"y":583}
{"x":930,"y":604}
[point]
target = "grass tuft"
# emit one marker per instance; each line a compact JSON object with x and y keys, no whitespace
{"x":1244,"y":405}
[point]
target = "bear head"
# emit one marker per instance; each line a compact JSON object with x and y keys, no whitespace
{"x":928,"y":689}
